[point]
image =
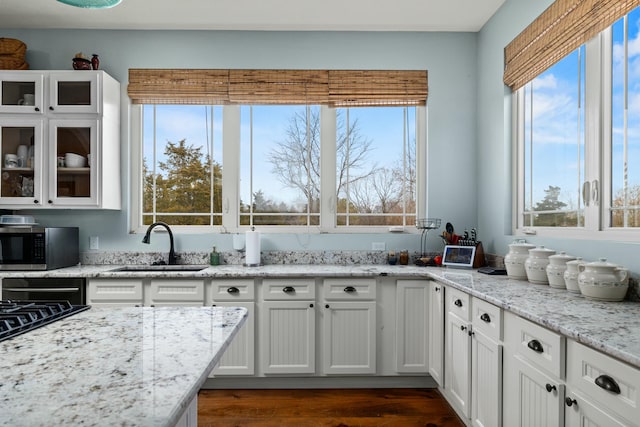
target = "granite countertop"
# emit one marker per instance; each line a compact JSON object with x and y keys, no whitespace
{"x":113,"y":366}
{"x":611,"y":327}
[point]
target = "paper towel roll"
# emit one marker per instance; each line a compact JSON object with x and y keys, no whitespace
{"x":252,"y":248}
{"x":238,"y":241}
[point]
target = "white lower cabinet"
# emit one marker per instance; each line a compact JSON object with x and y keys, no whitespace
{"x":287,"y":328}
{"x":473,"y":359}
{"x":436,"y":332}
{"x":145,"y":292}
{"x":412,"y":320}
{"x":348,"y":326}
{"x":239,"y":357}
{"x":176,"y":293}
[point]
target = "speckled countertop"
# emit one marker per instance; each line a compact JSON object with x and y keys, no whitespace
{"x":612,"y":327}
{"x":113,"y":366}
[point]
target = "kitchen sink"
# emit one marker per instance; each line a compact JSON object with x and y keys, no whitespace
{"x":143,"y":268}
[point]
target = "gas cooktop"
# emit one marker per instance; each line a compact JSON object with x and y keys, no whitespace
{"x":18,"y":317}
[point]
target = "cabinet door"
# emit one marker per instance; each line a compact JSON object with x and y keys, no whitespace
{"x":287,"y":337}
{"x":114,"y":292}
{"x":349,"y":338}
{"x":21,"y":162}
{"x":73,"y":92}
{"x":458,"y":363}
{"x":531,"y":398}
{"x":584,"y":413}
{"x":436,"y":332}
{"x":486,"y":381}
{"x":412,"y":317}
{"x":73,"y":183}
{"x":239,"y":357}
{"x":21,"y":92}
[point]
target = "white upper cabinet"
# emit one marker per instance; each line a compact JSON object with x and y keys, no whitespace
{"x":60,"y":140}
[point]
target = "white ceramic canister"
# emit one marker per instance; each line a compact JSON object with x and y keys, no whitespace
{"x":536,"y":265}
{"x":514,"y":260}
{"x":556,"y":268}
{"x":603,"y":281}
{"x":571,"y":274}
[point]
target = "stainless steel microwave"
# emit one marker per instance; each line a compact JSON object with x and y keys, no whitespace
{"x":38,"y":248}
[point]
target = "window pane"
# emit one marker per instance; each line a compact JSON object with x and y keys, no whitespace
{"x":376,"y":166}
{"x":625,"y":118}
{"x":182,"y":157}
{"x":554,"y":145}
{"x":280,"y":165}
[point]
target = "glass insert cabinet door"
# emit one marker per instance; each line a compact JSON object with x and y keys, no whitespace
{"x":73,"y":93}
{"x":72,"y":162}
{"x":21,"y":93}
{"x":21,"y":163}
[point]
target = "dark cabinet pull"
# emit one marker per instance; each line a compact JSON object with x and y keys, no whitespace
{"x":463,"y":328}
{"x":535,"y":346}
{"x":485,"y":317}
{"x":311,"y":305}
{"x":457,"y":303}
{"x":288,"y":289}
{"x":50,"y":201}
{"x":608,"y":383}
{"x":37,"y":109}
{"x":570,"y":402}
{"x":36,"y":202}
{"x":233,"y":290}
{"x":437,"y":289}
{"x":50,"y":108}
{"x":349,"y":289}
{"x":326,"y":306}
{"x":550,"y":388}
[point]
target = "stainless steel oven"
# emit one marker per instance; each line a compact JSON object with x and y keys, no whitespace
{"x":45,"y":289}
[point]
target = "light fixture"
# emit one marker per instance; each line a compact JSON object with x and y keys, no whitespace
{"x":92,"y":4}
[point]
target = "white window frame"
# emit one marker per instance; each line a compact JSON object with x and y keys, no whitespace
{"x":231,"y":178}
{"x":597,"y":104}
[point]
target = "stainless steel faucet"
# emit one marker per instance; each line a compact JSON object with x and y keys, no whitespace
{"x":147,"y":239}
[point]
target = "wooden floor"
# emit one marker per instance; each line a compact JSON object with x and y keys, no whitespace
{"x":334,"y":407}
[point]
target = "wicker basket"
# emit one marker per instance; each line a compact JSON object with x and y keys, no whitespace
{"x":12,"y":47}
{"x":11,"y":63}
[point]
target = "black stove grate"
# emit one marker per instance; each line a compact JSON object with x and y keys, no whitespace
{"x":18,"y":317}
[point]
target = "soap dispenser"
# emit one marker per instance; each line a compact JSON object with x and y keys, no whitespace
{"x":214,"y":257}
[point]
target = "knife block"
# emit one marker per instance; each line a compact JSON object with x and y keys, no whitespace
{"x":479,"y":259}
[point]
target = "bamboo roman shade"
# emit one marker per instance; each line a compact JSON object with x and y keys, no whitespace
{"x":325,"y":87}
{"x":558,"y":31}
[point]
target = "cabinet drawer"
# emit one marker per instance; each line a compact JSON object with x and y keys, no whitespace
{"x":349,"y":289}
{"x":459,"y":303}
{"x":487,"y":318}
{"x":539,"y":345}
{"x":587,"y":368}
{"x":233,"y":290}
{"x":177,"y":290}
{"x":289,"y":289}
{"x":115,"y":290}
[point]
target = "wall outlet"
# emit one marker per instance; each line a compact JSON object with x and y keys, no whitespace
{"x":377,"y":246}
{"x":94,"y":242}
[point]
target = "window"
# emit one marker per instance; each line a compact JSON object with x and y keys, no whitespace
{"x":578,"y":139}
{"x":274,"y":156}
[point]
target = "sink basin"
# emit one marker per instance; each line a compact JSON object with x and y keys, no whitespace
{"x":143,"y":268}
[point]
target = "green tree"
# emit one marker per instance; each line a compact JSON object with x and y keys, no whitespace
{"x":183,"y":185}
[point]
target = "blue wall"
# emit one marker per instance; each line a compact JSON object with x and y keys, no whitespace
{"x":450,"y":59}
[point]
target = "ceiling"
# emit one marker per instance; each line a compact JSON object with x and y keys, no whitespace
{"x":275,"y":15}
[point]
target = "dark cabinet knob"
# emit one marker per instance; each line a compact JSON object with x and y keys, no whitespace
{"x":289,"y":290}
{"x":463,"y":328}
{"x":608,"y":383}
{"x":437,"y":289}
{"x":550,"y":388}
{"x":233,"y":290}
{"x":485,"y":318}
{"x":570,"y":402}
{"x":535,"y":346}
{"x":37,"y":109}
{"x":311,"y":305}
{"x":326,"y":306}
{"x":457,"y":303}
{"x":36,"y":202}
{"x":349,"y":289}
{"x":50,"y":201}
{"x":51,"y":108}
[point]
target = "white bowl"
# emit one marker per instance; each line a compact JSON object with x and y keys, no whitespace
{"x":72,"y":160}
